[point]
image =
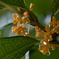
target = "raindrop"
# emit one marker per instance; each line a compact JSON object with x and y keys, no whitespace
{"x":48,"y":53}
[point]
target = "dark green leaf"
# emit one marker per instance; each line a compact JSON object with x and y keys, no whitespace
{"x":39,"y":55}
{"x":2,"y":7}
{"x":57,"y":14}
{"x":18,"y":3}
{"x":15,"y":47}
{"x":13,"y":6}
{"x":55,"y":7}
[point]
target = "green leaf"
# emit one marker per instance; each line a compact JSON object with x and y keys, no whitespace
{"x":55,"y":7}
{"x":57,"y":14}
{"x":2,"y":7}
{"x":18,"y":3}
{"x":54,"y":54}
{"x":13,"y":6}
{"x":15,"y":47}
{"x":6,"y":26}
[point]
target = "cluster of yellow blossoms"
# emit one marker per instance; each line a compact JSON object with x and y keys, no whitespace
{"x":44,"y":45}
{"x":21,"y":21}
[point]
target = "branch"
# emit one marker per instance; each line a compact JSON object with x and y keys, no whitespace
{"x":38,"y":24}
{"x":34,"y":20}
{"x":55,"y":41}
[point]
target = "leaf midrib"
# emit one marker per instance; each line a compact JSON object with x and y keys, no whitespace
{"x":20,"y":49}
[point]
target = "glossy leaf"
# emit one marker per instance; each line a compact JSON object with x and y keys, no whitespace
{"x":55,"y":7}
{"x":39,"y":55}
{"x":18,"y":3}
{"x":2,"y":7}
{"x":15,"y":47}
{"x":13,"y":5}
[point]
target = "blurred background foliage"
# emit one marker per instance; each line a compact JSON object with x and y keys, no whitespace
{"x":42,"y":10}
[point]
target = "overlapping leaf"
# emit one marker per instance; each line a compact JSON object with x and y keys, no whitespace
{"x":18,"y":3}
{"x":2,"y":7}
{"x":12,"y":5}
{"x":55,"y":8}
{"x":15,"y":47}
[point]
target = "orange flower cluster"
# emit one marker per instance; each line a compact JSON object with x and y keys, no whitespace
{"x":20,"y":21}
{"x":38,"y":32}
{"x":55,"y":24}
{"x":44,"y":43}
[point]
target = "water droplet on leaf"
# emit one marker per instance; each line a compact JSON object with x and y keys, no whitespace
{"x":48,"y":53}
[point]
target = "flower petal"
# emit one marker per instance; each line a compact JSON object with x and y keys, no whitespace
{"x":57,"y":22}
{"x":51,"y":23}
{"x":54,"y":19}
{"x":47,"y":28}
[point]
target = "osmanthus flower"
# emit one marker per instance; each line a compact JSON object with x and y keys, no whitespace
{"x":31,"y":6}
{"x":20,"y":21}
{"x":18,"y":30}
{"x":45,"y":49}
{"x":26,"y":14}
{"x":54,"y":22}
{"x":25,"y":34}
{"x":25,"y":20}
{"x":56,"y":29}
{"x":48,"y":33}
{"x":16,"y":18}
{"x":38,"y":32}
{"x":44,"y":43}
